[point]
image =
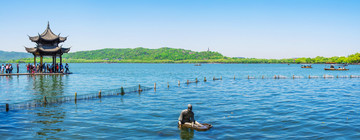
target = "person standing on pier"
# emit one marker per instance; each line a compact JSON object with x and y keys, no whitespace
{"x":61,"y":68}
{"x":51,"y":68}
{"x":2,"y":69}
{"x":56,"y":67}
{"x":17,"y":67}
{"x":29,"y":68}
{"x":11,"y":68}
{"x":7,"y":68}
{"x":33,"y":69}
{"x":44,"y":67}
{"x":37,"y":68}
{"x":67,"y":68}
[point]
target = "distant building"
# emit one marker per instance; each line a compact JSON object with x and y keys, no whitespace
{"x":239,"y":57}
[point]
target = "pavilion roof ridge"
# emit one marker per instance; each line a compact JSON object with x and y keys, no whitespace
{"x":47,"y":35}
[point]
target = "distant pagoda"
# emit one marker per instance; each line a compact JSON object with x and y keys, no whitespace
{"x":47,"y":44}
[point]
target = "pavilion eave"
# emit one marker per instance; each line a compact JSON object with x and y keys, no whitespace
{"x":39,"y":51}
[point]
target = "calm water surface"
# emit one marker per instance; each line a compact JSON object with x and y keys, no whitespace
{"x":241,"y":108}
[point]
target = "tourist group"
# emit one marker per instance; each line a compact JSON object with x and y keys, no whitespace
{"x":47,"y":68}
{"x":8,"y":68}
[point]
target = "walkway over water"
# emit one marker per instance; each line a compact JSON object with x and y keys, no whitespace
{"x":17,"y":74}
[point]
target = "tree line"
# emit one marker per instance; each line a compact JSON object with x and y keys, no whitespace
{"x":171,"y":55}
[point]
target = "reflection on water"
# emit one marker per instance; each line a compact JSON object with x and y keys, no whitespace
{"x":46,"y":85}
{"x":49,"y":118}
{"x":186,"y":133}
{"x":48,"y":121}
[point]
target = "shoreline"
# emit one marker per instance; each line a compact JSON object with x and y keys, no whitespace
{"x":180,"y":63}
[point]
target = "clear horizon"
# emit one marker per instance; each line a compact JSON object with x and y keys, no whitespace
{"x":252,"y":29}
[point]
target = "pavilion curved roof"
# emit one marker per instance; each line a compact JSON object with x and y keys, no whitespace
{"x":41,"y":50}
{"x":47,"y":35}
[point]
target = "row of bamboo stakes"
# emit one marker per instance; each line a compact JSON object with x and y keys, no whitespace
{"x":122,"y":92}
{"x":45,"y":101}
{"x":309,"y":77}
{"x":75,"y":99}
{"x":263,"y":77}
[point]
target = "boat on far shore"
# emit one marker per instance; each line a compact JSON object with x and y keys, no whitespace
{"x":197,"y":64}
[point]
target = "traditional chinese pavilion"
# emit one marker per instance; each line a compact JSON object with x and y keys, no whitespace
{"x":47,"y":44}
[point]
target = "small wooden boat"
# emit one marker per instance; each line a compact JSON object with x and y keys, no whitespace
{"x":306,"y":66}
{"x":202,"y":127}
{"x":198,"y":64}
{"x":339,"y":69}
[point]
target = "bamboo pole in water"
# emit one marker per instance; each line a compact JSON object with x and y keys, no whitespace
{"x":7,"y":107}
{"x":187,"y":82}
{"x":168,"y":84}
{"x":204,"y":79}
{"x":179,"y":83}
{"x":100,"y":94}
{"x":45,"y":101}
{"x":122,"y":91}
{"x":75,"y":97}
{"x":155,"y":86}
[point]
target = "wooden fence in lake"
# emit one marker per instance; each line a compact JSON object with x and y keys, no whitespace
{"x":44,"y":101}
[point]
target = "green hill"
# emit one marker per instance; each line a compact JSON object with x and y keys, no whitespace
{"x":6,"y":56}
{"x":144,"y":54}
{"x":171,"y":55}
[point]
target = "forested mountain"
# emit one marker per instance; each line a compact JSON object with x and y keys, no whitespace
{"x":5,"y":56}
{"x":144,"y":54}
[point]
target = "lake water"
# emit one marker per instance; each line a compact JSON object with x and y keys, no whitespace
{"x":238,"y":109}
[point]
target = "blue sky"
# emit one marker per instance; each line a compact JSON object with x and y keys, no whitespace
{"x":244,"y":28}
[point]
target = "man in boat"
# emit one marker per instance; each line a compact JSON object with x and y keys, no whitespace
{"x":187,"y":116}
